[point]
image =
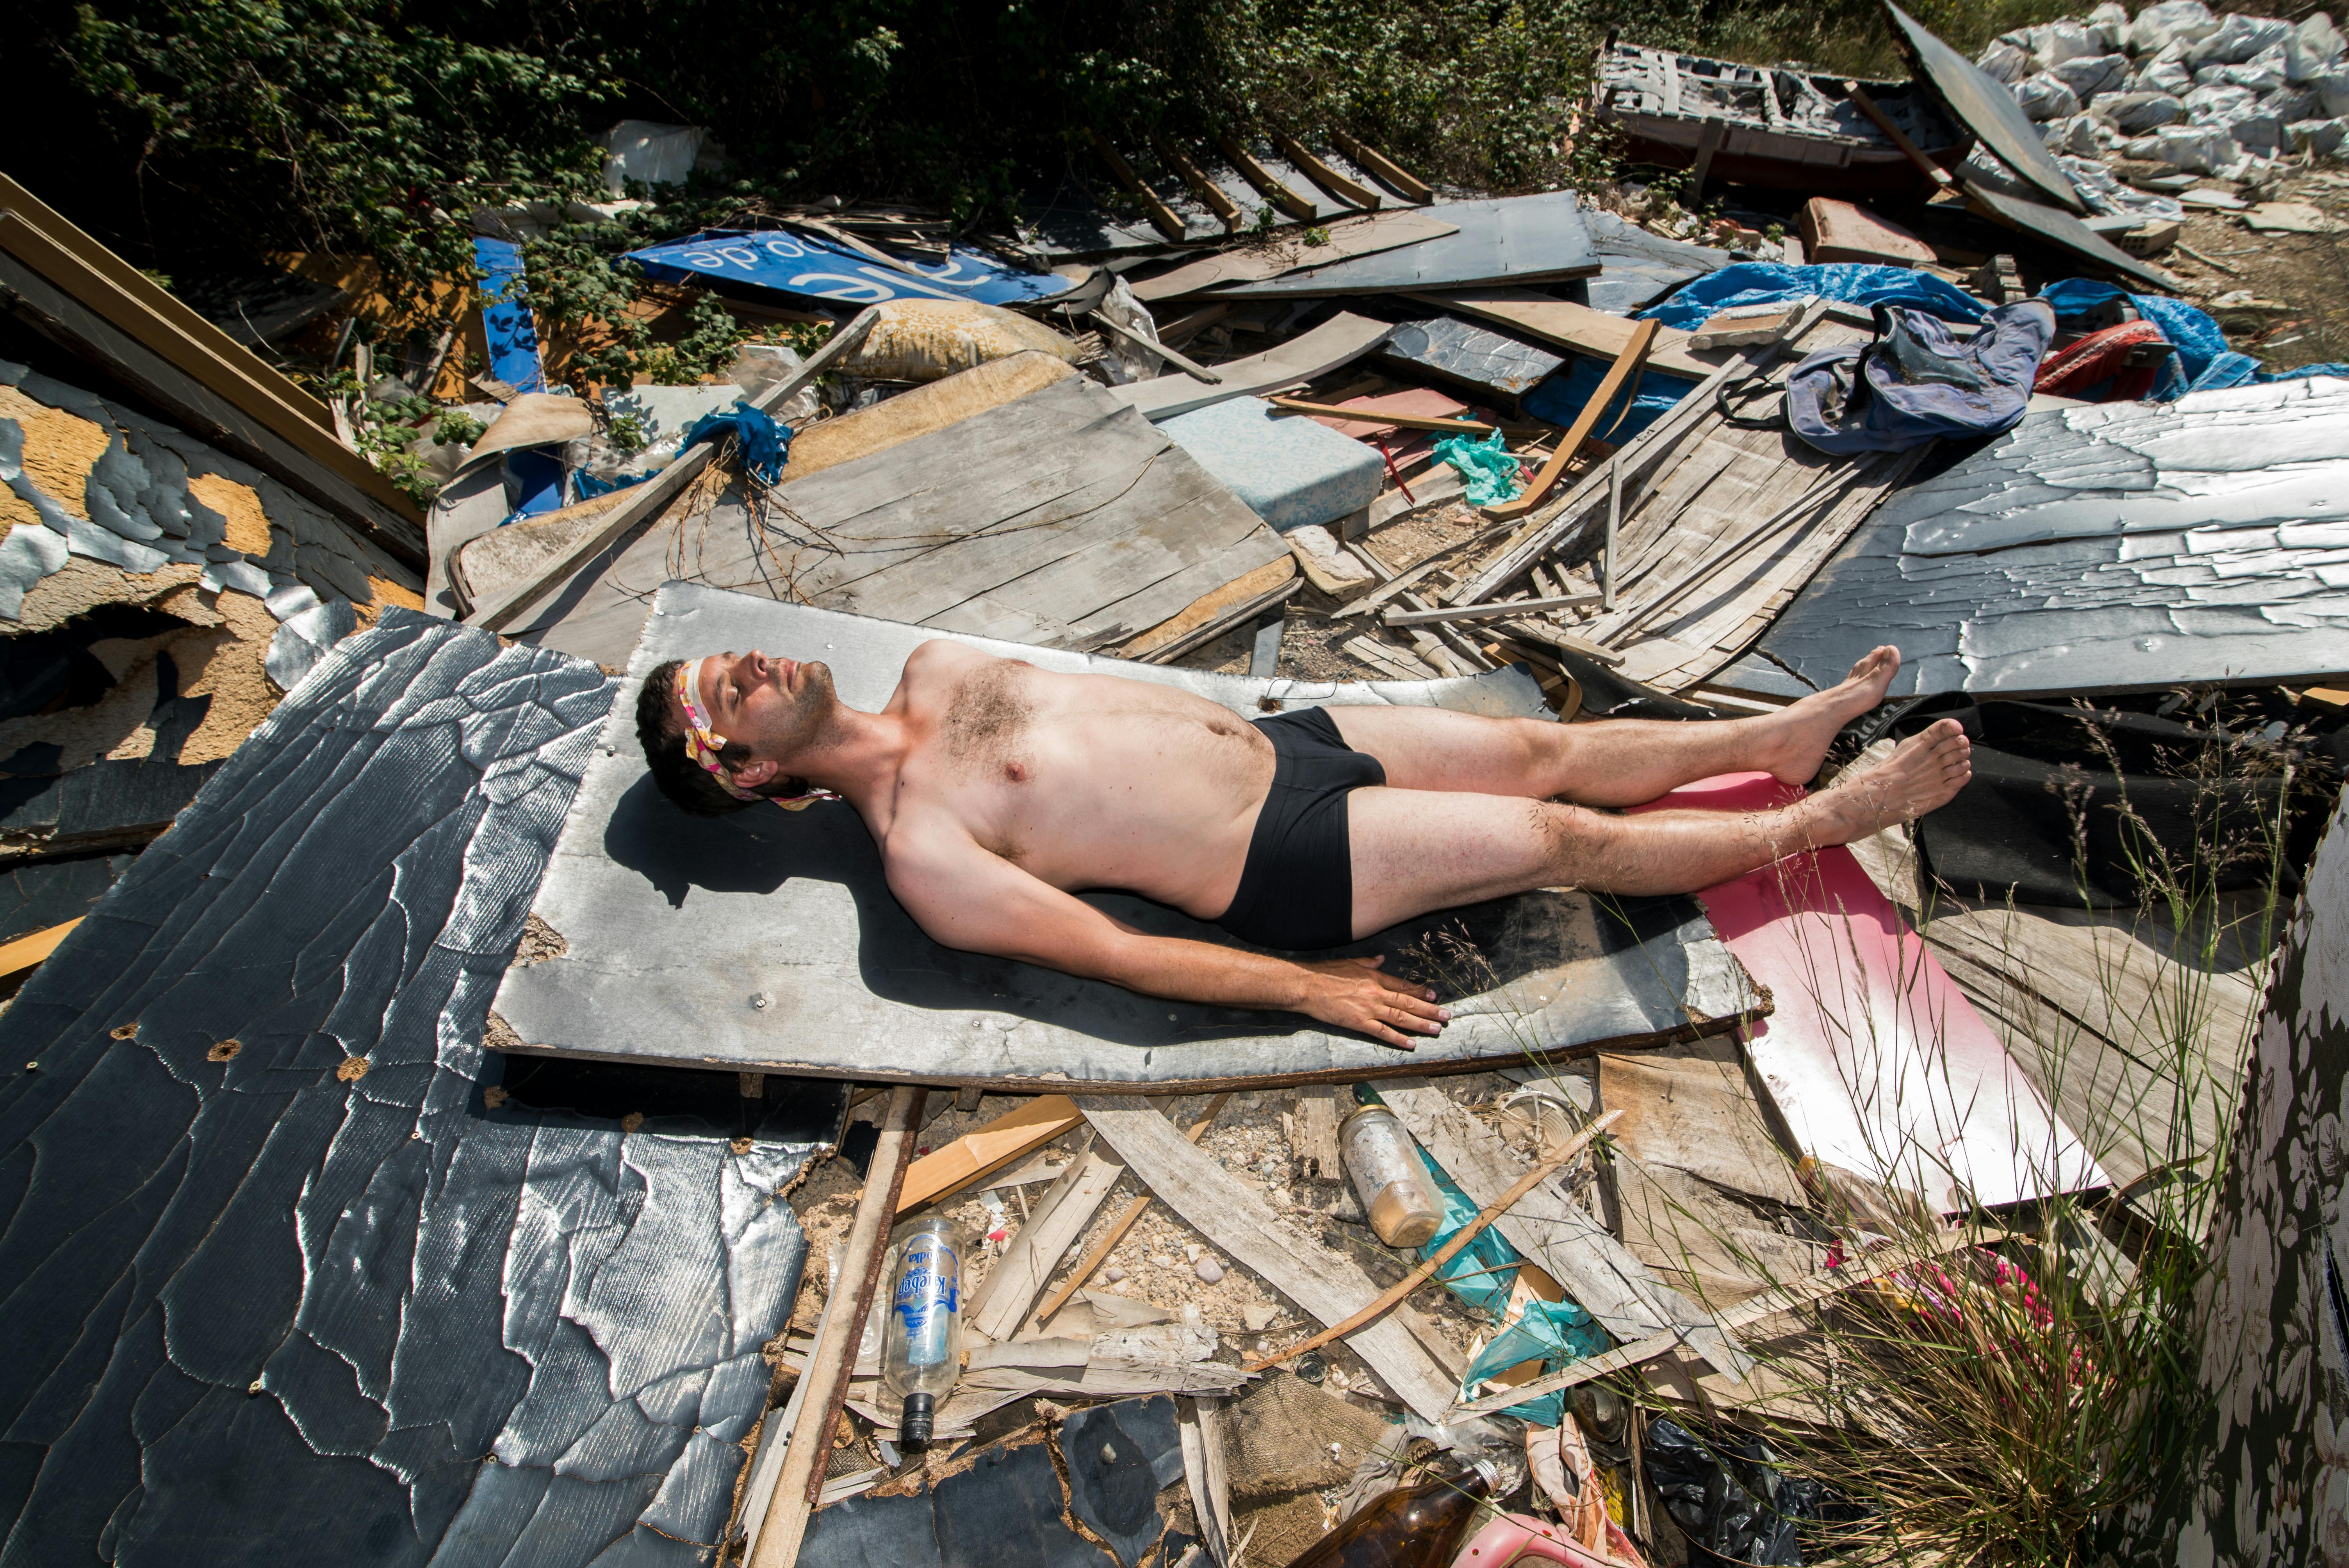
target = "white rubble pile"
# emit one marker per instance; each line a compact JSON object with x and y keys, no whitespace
{"x":2179,"y":86}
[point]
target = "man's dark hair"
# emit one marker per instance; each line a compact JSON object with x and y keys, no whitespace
{"x":679,"y":777}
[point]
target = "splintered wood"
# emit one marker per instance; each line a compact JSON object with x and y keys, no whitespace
{"x":1716,"y":529}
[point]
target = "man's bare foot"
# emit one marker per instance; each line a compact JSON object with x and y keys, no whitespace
{"x":1922,"y":773}
{"x":1791,"y":743}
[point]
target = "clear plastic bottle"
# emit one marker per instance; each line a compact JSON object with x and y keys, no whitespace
{"x":921,"y":1344}
{"x":1389,"y":1176}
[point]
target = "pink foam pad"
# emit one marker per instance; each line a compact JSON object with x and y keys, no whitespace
{"x":1875,"y":1058}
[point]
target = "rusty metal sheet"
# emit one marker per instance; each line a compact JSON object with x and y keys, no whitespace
{"x":769,"y":940}
{"x":1983,"y":105}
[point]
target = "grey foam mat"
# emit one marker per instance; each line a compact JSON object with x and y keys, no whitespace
{"x":265,"y":1309}
{"x":768,"y":940}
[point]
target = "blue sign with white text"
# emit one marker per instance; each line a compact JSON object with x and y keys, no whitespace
{"x":797,"y":263}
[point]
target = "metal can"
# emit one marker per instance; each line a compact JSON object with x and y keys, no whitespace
{"x":1390,"y":1178}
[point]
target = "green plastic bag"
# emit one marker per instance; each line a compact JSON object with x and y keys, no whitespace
{"x":1492,"y":475}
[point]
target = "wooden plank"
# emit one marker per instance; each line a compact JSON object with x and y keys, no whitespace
{"x":1206,"y":1470}
{"x":1319,"y":1282}
{"x":1212,"y":606}
{"x":1000,"y":1303}
{"x":1398,"y":422}
{"x":1403,"y":582}
{"x":1489,"y":612}
{"x":28,"y":951}
{"x":1341,"y":340}
{"x":1690,"y":1107}
{"x":656,"y":493}
{"x":162,"y":320}
{"x":274,"y":440}
{"x":1351,"y":194}
{"x":923,"y":411}
{"x":1690,"y":418}
{"x":1161,"y":217}
{"x":2134,"y":1038}
{"x":1566,"y":325}
{"x":1626,"y":364}
{"x":1270,"y":188}
{"x":1100,"y":1250}
{"x":1553,"y":1231}
{"x":833,"y":1360}
{"x":1383,"y":168}
{"x":1230,"y":620}
{"x":1204,"y":189}
{"x":943,"y":1173}
{"x":1314,"y":1141}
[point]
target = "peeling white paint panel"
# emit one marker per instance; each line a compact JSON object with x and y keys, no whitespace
{"x":2120,"y":545}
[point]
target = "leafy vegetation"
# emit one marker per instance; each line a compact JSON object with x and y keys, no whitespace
{"x":197,"y":135}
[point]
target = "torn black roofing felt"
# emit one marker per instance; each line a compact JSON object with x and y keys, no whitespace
{"x":263,"y":1305}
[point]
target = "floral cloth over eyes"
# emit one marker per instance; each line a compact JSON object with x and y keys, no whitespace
{"x":703,"y":744}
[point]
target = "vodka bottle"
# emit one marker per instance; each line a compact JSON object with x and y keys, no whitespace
{"x":921,"y":1345}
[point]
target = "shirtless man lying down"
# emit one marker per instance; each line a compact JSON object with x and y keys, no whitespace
{"x":997,"y":790}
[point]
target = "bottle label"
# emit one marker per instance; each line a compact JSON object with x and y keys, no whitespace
{"x":928,"y":1283}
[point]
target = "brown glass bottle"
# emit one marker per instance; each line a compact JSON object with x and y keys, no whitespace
{"x":1411,"y":1527}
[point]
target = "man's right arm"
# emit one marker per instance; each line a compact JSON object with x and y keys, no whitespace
{"x":966,"y":898}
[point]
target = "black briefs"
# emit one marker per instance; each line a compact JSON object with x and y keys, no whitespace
{"x":1296,"y":890}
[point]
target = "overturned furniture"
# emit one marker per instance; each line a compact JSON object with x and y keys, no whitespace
{"x":1768,"y":126}
{"x":667,"y":932}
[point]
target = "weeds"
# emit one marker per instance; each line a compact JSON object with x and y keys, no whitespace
{"x":2003,"y":1405}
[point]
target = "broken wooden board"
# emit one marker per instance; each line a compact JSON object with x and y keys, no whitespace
{"x":1059,"y":519}
{"x":1553,"y":1231}
{"x":1574,"y":326}
{"x":471,"y":549}
{"x":1317,"y":1281}
{"x":74,"y":291}
{"x":1723,"y":539}
{"x":768,"y":941}
{"x":1874,"y":1061}
{"x":1342,"y":339}
{"x":1288,"y":251}
{"x":1691,"y":1107}
{"x":1000,"y":1303}
{"x":2131,"y":1034}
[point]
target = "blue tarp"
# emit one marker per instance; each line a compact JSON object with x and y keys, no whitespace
{"x":2202,"y":351}
{"x":762,"y":443}
{"x":505,"y":319}
{"x":800,"y":263}
{"x":1559,"y":400}
{"x":1767,"y":283}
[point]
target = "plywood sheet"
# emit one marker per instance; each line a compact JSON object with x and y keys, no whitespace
{"x":1875,"y":1061}
{"x":768,"y":940}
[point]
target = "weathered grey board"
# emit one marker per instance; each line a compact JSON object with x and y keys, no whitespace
{"x":768,"y":940}
{"x":1501,"y":240}
{"x":1060,"y":518}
